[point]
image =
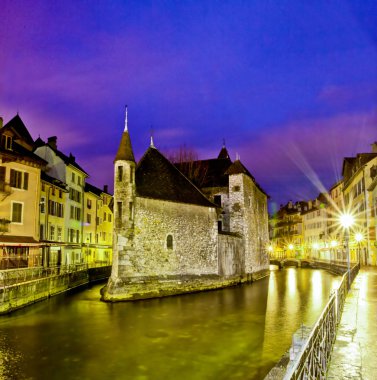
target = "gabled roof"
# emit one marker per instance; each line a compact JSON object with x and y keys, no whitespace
{"x":18,"y":127}
{"x":125,"y":149}
{"x":238,"y":168}
{"x":158,"y":178}
{"x":68,"y":160}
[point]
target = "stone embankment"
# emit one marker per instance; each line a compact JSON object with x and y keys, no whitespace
{"x":22,"y":287}
{"x":162,"y":286}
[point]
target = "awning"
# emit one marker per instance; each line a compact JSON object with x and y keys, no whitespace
{"x":23,"y":241}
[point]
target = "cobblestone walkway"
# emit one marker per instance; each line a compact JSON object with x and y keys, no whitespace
{"x":355,"y":350}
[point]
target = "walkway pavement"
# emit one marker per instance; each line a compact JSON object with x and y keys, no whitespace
{"x":355,"y":351}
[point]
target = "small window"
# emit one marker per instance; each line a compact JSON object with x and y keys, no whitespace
{"x":43,"y":205}
{"x":120,"y":173}
{"x":119,"y":209}
{"x":217,"y":200}
{"x":236,"y":188}
{"x":17,"y":212}
{"x":169,"y":242}
{"x":73,"y":177}
{"x":6,"y":142}
{"x":52,"y":232}
{"x":88,"y":218}
{"x":132,"y":172}
{"x":131,"y":210}
{"x":219,"y":225}
{"x":79,"y":180}
{"x":60,"y":194}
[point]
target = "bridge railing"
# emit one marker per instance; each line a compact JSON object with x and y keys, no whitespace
{"x":311,"y":361}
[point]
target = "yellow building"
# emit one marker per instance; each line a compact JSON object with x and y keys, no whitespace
{"x":287,"y":231}
{"x":20,"y":172}
{"x":98,"y":226}
{"x":372,"y":201}
{"x":357,"y":180}
{"x":314,"y":218}
{"x":51,"y":218}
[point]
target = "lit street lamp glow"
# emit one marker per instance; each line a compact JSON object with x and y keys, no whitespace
{"x":347,"y":220}
{"x":290,"y":246}
{"x":358,"y":237}
{"x":333,"y":243}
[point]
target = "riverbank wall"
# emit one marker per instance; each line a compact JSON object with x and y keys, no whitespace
{"x":14,"y":296}
{"x":162,"y":286}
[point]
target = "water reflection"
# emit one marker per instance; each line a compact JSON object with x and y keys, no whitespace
{"x":235,"y":333}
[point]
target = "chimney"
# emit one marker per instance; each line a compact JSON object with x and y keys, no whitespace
{"x":374,"y":147}
{"x":52,"y":142}
{"x":1,"y":122}
{"x":105,"y":188}
{"x":71,"y":157}
{"x":290,"y":205}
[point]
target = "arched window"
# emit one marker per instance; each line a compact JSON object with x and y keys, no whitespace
{"x":169,"y":242}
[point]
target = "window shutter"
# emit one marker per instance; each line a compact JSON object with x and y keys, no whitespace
{"x":26,"y":181}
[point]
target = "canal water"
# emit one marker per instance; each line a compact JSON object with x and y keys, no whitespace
{"x":234,"y":333}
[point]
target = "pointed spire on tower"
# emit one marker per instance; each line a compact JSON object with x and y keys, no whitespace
{"x":125,"y":151}
{"x":223,"y":152}
{"x":126,"y":119}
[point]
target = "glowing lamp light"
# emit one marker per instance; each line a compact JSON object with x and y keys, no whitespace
{"x":270,"y":248}
{"x":315,"y":245}
{"x":359,"y":237}
{"x":333,"y":243}
{"x":290,"y":246}
{"x":346,"y":220}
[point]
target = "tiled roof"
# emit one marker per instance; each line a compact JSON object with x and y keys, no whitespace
{"x":158,"y":178}
{"x":125,"y":149}
{"x":206,"y":173}
{"x":224,"y":154}
{"x":54,"y":181}
{"x":238,"y":168}
{"x":93,"y":189}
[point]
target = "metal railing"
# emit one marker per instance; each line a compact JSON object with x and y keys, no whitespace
{"x":11,"y":277}
{"x":311,"y":362}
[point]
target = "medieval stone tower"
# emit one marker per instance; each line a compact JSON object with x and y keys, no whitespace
{"x":124,"y":203}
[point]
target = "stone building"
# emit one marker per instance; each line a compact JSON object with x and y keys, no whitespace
{"x":173,"y":234}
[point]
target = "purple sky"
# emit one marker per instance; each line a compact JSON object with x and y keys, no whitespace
{"x":290,"y":85}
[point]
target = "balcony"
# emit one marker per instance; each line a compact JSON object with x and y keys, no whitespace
{"x":4,"y":225}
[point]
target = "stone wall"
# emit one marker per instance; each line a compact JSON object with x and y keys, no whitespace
{"x":249,"y":218}
{"x":194,"y":240}
{"x":231,"y":255}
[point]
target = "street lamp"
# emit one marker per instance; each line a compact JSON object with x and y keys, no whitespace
{"x":346,"y":221}
{"x":358,"y":237}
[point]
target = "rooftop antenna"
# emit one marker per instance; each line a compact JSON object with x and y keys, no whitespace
{"x":223,"y":143}
{"x":126,"y":120}
{"x":237,"y":157}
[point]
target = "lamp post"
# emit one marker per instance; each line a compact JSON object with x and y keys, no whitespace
{"x":333,"y":244}
{"x":358,"y":238}
{"x":347,"y":220}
